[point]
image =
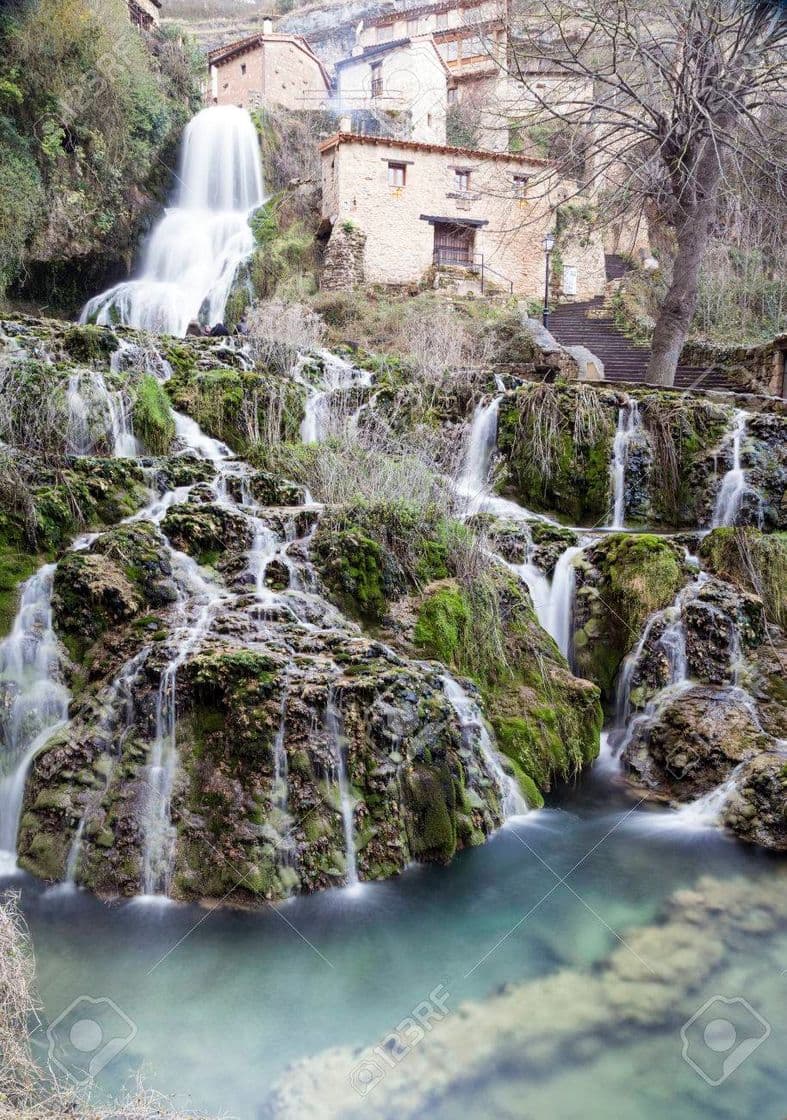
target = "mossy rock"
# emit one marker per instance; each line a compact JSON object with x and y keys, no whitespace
{"x":206,"y":531}
{"x":556,"y":443}
{"x":154,"y":423}
{"x":622,"y":581}
{"x":754,"y":561}
{"x":90,"y":344}
{"x":431,"y":820}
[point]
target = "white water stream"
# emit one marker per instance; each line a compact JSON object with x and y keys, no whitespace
{"x":194,"y":252}
{"x":733,"y":484}
{"x":33,"y":700}
{"x":629,"y":428}
{"x":471,"y":721}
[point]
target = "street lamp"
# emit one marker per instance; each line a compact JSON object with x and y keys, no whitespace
{"x":549,"y":244}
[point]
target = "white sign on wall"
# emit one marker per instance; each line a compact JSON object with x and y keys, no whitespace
{"x":569,"y":280}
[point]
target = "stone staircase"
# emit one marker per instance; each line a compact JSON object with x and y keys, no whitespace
{"x":623,"y":360}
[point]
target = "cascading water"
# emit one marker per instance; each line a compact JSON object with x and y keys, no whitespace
{"x":628,"y":430}
{"x":318,"y":419}
{"x":194,"y":252}
{"x":95,"y":409}
{"x":34,"y":699}
{"x":472,"y":482}
{"x":334,"y":727}
{"x":560,"y":606}
{"x":474,"y":730}
{"x":733,"y":484}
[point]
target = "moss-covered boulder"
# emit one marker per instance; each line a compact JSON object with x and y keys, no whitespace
{"x":756,"y":810}
{"x":124,"y":571}
{"x":154,"y":424}
{"x":205,"y":530}
{"x":694,"y":743}
{"x":90,"y":344}
{"x":556,"y":443}
{"x":369,"y":554}
{"x":752,"y":560}
{"x":621,"y":581}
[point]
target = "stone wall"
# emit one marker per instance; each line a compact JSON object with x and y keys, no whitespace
{"x":277,"y":70}
{"x":343,"y":267}
{"x":400,"y":243}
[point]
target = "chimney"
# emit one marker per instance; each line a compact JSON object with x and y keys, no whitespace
{"x":267,"y":25}
{"x":345,"y":124}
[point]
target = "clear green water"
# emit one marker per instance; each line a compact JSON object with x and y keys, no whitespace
{"x":223,"y":1001}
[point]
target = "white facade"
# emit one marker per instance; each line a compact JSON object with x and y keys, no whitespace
{"x":406,"y":78}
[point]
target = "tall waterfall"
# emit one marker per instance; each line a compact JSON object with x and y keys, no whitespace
{"x":33,"y":699}
{"x":194,"y":252}
{"x":628,"y":429}
{"x":480,"y":449}
{"x":733,"y":485}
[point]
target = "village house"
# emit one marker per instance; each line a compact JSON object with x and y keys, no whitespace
{"x":144,"y":14}
{"x":406,"y":208}
{"x":405,"y":79}
{"x":267,"y":68}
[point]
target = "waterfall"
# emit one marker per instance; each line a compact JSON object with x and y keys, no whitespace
{"x":93,"y":406}
{"x":194,"y":252}
{"x":280,"y":758}
{"x":318,"y":421}
{"x":481,"y":446}
{"x":474,"y":732}
{"x":158,"y":828}
{"x":733,"y":484}
{"x":561,"y":600}
{"x":629,"y":428}
{"x":33,"y":699}
{"x":335,"y":728}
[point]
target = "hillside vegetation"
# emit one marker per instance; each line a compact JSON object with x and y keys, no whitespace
{"x":90,"y":120}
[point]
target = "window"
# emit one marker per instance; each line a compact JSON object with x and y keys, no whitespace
{"x":461,"y":179}
{"x":243,"y":67}
{"x":397,"y":174}
{"x":473,"y":47}
{"x":453,"y":96}
{"x":385,"y":34}
{"x":450,"y":50}
{"x":520,"y":185}
{"x":412,"y":28}
{"x":442,"y":21}
{"x":377,"y":79}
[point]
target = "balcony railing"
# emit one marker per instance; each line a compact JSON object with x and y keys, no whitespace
{"x":449,"y":257}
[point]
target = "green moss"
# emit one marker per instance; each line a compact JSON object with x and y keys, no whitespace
{"x":441,"y":629}
{"x":556,"y":441}
{"x":432,"y":814}
{"x":755,"y":561}
{"x":638,"y":574}
{"x":15,"y":567}
{"x":90,"y":344}
{"x":154,"y":423}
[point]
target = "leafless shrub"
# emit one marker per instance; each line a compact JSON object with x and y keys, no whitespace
{"x":33,"y":412}
{"x":279,"y":332}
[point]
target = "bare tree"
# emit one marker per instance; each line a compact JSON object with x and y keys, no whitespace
{"x":667,"y":100}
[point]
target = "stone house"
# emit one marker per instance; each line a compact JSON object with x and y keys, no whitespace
{"x":268,"y":69}
{"x":405,"y":79}
{"x":422,"y":207}
{"x":144,"y":14}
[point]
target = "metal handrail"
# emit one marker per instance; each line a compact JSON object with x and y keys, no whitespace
{"x":473,"y":262}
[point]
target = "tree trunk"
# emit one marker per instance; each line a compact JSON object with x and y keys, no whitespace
{"x":677,"y":310}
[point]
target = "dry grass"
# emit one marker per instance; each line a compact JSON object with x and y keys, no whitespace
{"x":27,"y":1092}
{"x":279,"y":332}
